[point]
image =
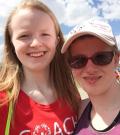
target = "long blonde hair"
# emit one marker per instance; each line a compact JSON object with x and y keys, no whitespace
{"x":11,"y":73}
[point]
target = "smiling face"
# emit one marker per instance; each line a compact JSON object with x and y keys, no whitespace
{"x":34,"y":38}
{"x":94,"y":79}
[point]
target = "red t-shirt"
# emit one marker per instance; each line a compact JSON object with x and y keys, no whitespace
{"x":31,"y":118}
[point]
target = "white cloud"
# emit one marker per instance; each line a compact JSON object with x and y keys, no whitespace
{"x":78,"y":11}
{"x":5,"y":7}
{"x":71,"y":12}
{"x":110,"y":9}
{"x":58,"y":7}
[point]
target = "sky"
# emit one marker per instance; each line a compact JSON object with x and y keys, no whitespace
{"x":71,"y":12}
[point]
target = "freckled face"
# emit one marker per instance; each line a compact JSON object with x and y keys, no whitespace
{"x":93,"y":79}
{"x":34,"y":38}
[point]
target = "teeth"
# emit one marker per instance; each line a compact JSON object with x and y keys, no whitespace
{"x":38,"y":54}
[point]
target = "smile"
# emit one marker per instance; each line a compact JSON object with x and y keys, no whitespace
{"x":92,"y":79}
{"x":37,"y":54}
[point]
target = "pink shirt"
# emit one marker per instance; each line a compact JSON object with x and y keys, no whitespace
{"x":84,"y":126}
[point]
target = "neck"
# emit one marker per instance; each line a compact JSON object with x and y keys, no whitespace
{"x":108,"y":101}
{"x":39,"y":87}
{"x":105,"y":108}
{"x":37,"y":80}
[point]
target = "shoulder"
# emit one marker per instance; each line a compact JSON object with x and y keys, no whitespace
{"x":3,"y":112}
{"x":3,"y":97}
{"x":3,"y":103}
{"x":3,"y":94}
{"x":84,"y":103}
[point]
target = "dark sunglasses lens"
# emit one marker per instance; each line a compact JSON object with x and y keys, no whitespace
{"x":103,"y":58}
{"x":78,"y":62}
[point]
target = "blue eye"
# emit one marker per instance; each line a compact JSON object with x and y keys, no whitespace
{"x":25,"y":36}
{"x":22,"y":36}
{"x":46,"y":34}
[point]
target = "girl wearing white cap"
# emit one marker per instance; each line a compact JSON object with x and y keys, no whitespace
{"x":93,"y":56}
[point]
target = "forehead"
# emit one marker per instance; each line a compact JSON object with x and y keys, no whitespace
{"x":90,"y":43}
{"x":28,"y":16}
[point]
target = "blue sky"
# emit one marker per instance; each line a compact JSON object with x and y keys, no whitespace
{"x":71,"y":12}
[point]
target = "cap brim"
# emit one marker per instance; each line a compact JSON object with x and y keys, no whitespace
{"x":71,"y":39}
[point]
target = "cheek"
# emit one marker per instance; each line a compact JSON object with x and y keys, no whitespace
{"x":17,"y":49}
{"x":55,"y":43}
{"x":109,"y":74}
{"x":76,"y":73}
{"x":52,"y":46}
{"x":18,"y":45}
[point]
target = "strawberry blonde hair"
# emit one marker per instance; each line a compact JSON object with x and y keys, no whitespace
{"x":11,"y":72}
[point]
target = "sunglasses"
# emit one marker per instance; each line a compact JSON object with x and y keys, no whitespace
{"x":99,"y":58}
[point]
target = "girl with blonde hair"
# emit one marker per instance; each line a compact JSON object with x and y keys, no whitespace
{"x":37,"y":91}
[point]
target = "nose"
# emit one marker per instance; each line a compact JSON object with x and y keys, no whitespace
{"x":36,"y":41}
{"x":90,"y":66}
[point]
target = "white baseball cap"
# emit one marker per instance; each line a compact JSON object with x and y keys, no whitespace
{"x":96,"y":27}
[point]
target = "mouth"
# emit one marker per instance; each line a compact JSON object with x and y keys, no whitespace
{"x":92,"y":79}
{"x":37,"y":54}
